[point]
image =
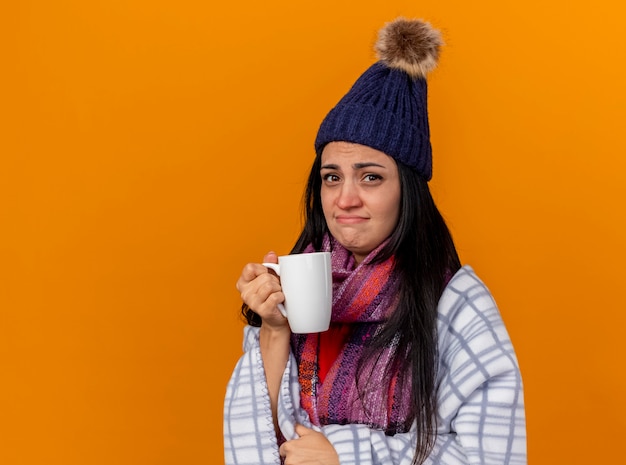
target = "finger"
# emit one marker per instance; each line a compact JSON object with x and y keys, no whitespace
{"x":249,"y":273}
{"x":283,"y":450}
{"x":262,"y":291}
{"x":270,"y":257}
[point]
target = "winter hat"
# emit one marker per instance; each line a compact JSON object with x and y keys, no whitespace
{"x":386,"y":107}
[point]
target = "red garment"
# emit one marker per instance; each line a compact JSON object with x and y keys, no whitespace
{"x":331,"y":343}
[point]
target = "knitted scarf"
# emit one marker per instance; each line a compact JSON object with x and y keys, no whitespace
{"x":373,"y":391}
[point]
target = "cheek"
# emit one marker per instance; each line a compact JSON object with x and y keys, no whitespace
{"x":326,"y":203}
{"x":393,"y":211}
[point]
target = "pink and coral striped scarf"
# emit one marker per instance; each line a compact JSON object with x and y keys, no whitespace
{"x":373,"y":393}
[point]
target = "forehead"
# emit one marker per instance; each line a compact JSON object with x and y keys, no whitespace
{"x":348,"y":153}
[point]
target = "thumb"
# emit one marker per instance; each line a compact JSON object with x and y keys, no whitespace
{"x":302,"y":430}
{"x":270,"y":257}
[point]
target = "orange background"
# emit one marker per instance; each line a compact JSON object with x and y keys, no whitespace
{"x":149,"y":149}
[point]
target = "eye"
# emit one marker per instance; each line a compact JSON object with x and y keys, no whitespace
{"x":371,"y":177}
{"x":330,"y":177}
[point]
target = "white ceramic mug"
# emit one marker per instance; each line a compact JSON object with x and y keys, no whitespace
{"x":307,"y":283}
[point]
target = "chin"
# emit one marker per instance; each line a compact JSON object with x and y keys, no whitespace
{"x":351,"y":245}
{"x":355,"y":249}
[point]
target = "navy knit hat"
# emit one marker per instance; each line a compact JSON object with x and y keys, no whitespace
{"x":386,"y":108}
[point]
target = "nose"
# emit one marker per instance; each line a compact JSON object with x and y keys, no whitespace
{"x":348,"y":196}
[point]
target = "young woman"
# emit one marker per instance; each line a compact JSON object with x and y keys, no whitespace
{"x":417,"y":366}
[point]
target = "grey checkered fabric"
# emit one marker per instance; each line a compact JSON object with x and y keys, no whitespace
{"x":481,"y":405}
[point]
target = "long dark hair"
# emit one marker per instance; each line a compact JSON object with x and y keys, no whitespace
{"x":425,"y":258}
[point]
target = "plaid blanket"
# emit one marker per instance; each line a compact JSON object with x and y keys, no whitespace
{"x":481,"y":406}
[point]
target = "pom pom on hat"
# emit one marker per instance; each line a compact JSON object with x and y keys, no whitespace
{"x":409,"y":45}
{"x":386,"y":108}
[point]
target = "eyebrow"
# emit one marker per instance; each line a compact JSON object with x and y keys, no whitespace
{"x":356,"y":166}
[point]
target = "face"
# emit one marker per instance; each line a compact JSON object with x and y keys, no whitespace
{"x":360,"y":196}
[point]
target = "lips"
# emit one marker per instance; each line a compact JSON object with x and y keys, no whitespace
{"x":350,"y":219}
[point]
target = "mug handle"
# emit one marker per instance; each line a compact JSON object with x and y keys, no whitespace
{"x":276,"y":268}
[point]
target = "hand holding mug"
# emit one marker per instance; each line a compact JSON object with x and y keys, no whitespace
{"x":262,"y":292}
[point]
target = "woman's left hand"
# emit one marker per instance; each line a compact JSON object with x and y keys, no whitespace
{"x":310,"y":448}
